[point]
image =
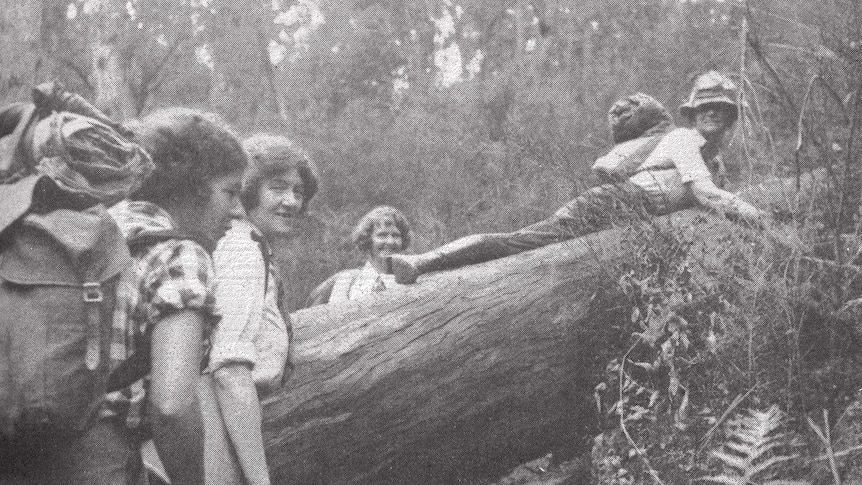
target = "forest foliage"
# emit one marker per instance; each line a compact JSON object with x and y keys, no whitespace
{"x":478,"y":115}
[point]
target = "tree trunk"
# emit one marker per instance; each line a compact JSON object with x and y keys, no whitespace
{"x":459,"y":377}
{"x":268,"y":72}
{"x":52,"y":39}
{"x":480,"y":369}
{"x":239,"y":90}
{"x":35,"y":47}
{"x":520,"y":11}
{"x":19,"y":33}
{"x":112,"y":93}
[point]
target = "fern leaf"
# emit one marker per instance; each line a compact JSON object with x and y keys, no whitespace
{"x":769,"y":462}
{"x":732,"y":460}
{"x":751,"y":448}
{"x":761,"y":449}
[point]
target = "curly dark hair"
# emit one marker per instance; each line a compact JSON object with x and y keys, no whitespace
{"x":273,"y":155}
{"x":365,"y":228}
{"x":189,"y":148}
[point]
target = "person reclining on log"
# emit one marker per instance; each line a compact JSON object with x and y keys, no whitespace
{"x":382,"y":232}
{"x":661,"y":173}
{"x":250,"y":345}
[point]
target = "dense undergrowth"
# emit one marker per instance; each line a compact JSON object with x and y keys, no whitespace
{"x":727,"y":329}
{"x":738,"y":357}
{"x":735,"y":365}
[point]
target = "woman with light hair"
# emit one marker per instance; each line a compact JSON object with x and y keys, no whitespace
{"x":250,"y":345}
{"x":382,"y":232}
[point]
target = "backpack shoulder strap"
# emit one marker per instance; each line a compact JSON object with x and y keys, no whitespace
{"x":267,"y":258}
{"x":151,"y":238}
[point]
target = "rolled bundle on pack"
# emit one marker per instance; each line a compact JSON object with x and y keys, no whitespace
{"x":85,"y":156}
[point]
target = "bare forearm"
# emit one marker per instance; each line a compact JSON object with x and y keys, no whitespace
{"x":725,"y":202}
{"x":240,"y":409}
{"x":177,"y":427}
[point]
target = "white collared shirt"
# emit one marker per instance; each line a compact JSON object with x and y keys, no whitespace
{"x":252,"y":330}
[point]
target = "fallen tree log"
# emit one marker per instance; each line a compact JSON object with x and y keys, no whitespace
{"x":463,"y":375}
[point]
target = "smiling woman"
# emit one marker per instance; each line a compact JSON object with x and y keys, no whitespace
{"x":281,"y":200}
{"x":382,"y":232}
{"x":279,"y":183}
{"x":250,"y":346}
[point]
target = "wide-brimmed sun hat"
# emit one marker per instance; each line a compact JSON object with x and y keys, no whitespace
{"x":711,"y":87}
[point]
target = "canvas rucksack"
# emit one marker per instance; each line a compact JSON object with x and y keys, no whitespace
{"x":638,"y":123}
{"x":64,"y":281}
{"x":59,"y":273}
{"x":62,"y":263}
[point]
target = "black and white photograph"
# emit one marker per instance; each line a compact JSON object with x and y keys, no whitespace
{"x":421,"y":242}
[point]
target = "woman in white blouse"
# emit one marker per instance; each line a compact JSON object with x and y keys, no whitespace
{"x":380,"y":233}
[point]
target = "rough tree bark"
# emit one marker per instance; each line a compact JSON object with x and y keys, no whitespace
{"x":475,"y":369}
{"x":478,"y":369}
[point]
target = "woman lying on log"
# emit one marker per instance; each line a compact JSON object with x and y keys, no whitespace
{"x":382,"y":232}
{"x":654,"y":168}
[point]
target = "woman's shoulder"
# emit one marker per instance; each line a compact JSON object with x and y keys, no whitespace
{"x":241,"y":231}
{"x":323,"y":292}
{"x":241,"y":240}
{"x":684,"y":135}
{"x":346,"y":274}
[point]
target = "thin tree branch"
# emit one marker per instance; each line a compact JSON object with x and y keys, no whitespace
{"x":156,"y":77}
{"x":266,"y":66}
{"x":83,"y":76}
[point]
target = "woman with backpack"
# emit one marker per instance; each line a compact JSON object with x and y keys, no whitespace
{"x":673,"y":174}
{"x":67,"y":286}
{"x":123,"y":298}
{"x":184,"y":207}
{"x":381,"y":232}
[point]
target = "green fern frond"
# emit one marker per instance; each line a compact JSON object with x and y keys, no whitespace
{"x":749,"y":450}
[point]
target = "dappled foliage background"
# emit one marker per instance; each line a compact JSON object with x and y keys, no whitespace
{"x":469,"y":116}
{"x":485,"y":115}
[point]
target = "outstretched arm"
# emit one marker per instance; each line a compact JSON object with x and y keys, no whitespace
{"x":719,"y":200}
